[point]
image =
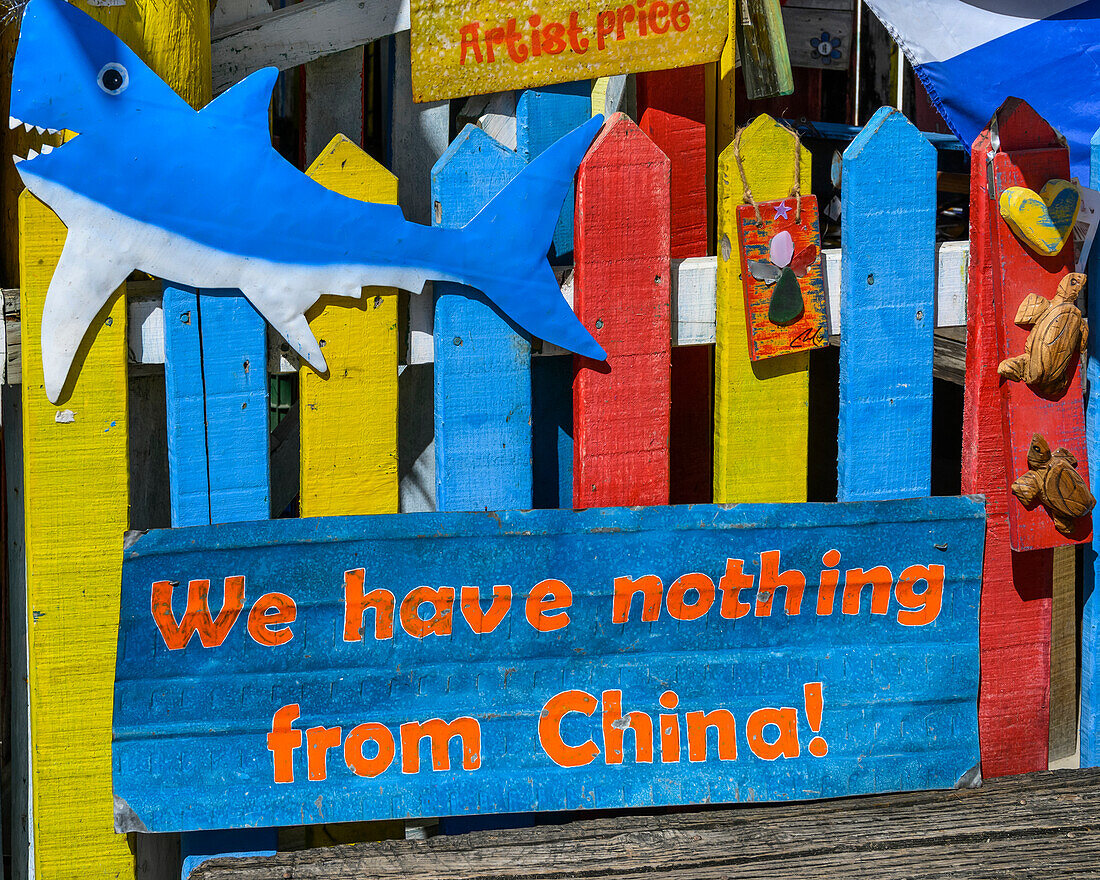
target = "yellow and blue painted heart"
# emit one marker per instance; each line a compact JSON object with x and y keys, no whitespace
{"x":1042,"y":220}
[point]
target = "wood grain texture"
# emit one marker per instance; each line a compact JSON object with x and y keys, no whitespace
{"x":1013,"y":706}
{"x":621,"y":415}
{"x":1090,"y":614}
{"x":482,"y":366}
{"x":1040,"y":827}
{"x":1062,"y":739}
{"x":771,"y":395}
{"x":334,"y":101}
{"x":1030,"y":154}
{"x":885,"y":434}
{"x":673,"y":113}
{"x":301,"y":33}
{"x":349,"y":417}
{"x":77,"y":486}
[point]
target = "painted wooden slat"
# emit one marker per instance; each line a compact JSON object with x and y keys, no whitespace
{"x":1090,"y":615}
{"x":1030,"y":154}
{"x":885,"y":434}
{"x":349,"y":417}
{"x":334,"y":100}
{"x":482,"y":366}
{"x":76,"y":485}
{"x":772,"y":396}
{"x":621,"y":412}
{"x":673,"y":111}
{"x":1013,"y":707}
{"x":301,"y":33}
{"x":542,"y":116}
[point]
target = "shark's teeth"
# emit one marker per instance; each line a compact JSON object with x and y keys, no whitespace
{"x":27,"y":126}
{"x":33,"y":154}
{"x":13,"y":122}
{"x":46,"y":149}
{"x":16,"y":159}
{"x":40,"y":129}
{"x":51,"y":131}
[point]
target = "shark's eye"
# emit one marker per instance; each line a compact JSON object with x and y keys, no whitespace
{"x":113,"y":78}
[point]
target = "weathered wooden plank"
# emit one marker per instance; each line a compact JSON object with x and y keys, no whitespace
{"x":76,"y":481}
{"x":1062,"y":740}
{"x":334,"y":100}
{"x":1090,"y":614}
{"x":772,"y":395}
{"x":482,"y":366}
{"x":806,"y":27}
{"x":1040,"y":826}
{"x":881,"y":685}
{"x":348,"y":418}
{"x":301,"y":33}
{"x":889,"y":202}
{"x":621,"y":412}
{"x":1013,"y":709}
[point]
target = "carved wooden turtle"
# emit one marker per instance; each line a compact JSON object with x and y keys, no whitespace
{"x":1053,"y":481}
{"x":1058,"y":332}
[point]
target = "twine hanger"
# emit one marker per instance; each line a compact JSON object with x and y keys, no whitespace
{"x":796,"y":187}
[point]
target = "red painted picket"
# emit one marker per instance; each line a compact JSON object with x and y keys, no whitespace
{"x":1014,"y":702}
{"x":622,"y":289}
{"x":672,"y":110}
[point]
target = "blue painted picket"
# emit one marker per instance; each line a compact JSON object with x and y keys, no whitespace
{"x":887,"y":312}
{"x":1090,"y":615}
{"x":581,"y":624}
{"x":217,"y":398}
{"x":542,"y":116}
{"x":482,"y":365}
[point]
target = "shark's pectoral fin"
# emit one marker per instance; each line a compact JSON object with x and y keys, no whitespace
{"x":84,"y":280}
{"x":294,"y":329}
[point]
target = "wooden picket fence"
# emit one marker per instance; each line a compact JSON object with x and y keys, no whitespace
{"x":450,"y":407}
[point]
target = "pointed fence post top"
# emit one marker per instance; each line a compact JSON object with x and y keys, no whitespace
{"x":472,"y":170}
{"x":1018,"y":126}
{"x":618,"y":132}
{"x":766,"y":151}
{"x":888,"y":133}
{"x":343,"y":166}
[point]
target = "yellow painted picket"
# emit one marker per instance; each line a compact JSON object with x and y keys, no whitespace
{"x":349,"y":419}
{"x":760,"y":409}
{"x":76,"y":499}
{"x":75,"y":472}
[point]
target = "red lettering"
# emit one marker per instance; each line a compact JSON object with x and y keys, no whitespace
{"x":536,"y":38}
{"x":517,"y":51}
{"x":578,"y":43}
{"x":212,"y":631}
{"x":553,"y":38}
{"x":658,"y":17}
{"x":681,"y":19}
{"x":642,"y":22}
{"x":605,"y":24}
{"x":625,"y":15}
{"x":493,"y":36}
{"x":470,"y":41}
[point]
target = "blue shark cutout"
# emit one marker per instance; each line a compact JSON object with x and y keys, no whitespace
{"x":201,"y":199}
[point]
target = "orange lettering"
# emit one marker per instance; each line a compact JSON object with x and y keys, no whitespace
{"x":924,"y":607}
{"x":318,"y":741}
{"x":614,"y":724}
{"x":793,"y":583}
{"x":695,"y":582}
{"x":212,"y":631}
{"x":785,"y":745}
{"x":439,"y":624}
{"x":471,"y":608}
{"x":556,"y":708}
{"x":440,"y":733}
{"x":880,"y":580}
{"x":826,"y":589}
{"x":626,"y":589}
{"x":721,"y":720}
{"x":732,"y":583}
{"x":356,"y":605}
{"x":260,"y":622}
{"x":546,"y":596}
{"x":360,"y":735}
{"x":283,"y":740}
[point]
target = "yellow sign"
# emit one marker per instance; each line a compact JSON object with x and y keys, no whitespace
{"x":469,"y":47}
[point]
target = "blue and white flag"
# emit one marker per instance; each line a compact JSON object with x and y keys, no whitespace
{"x":972,"y":54}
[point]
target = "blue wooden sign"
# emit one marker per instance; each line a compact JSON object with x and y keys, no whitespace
{"x":337,"y":669}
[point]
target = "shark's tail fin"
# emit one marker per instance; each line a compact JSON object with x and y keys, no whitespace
{"x":510,"y":238}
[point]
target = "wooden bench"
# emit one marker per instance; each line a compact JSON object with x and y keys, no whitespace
{"x":1044,"y":825}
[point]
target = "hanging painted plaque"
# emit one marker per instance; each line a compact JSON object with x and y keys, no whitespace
{"x":470,"y":47}
{"x":781,"y":270}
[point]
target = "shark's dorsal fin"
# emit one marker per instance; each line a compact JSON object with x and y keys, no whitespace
{"x":247,"y":102}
